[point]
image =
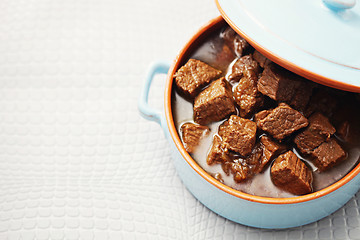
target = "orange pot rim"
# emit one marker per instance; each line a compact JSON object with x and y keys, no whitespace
{"x":287,"y":64}
{"x":175,"y":137}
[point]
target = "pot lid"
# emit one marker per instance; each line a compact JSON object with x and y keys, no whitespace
{"x":319,"y":40}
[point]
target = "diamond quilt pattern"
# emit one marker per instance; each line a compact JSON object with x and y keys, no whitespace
{"x":76,"y":159}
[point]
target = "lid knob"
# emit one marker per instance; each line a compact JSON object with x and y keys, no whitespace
{"x":337,"y":5}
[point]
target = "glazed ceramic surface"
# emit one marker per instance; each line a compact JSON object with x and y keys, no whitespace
{"x":237,"y":206}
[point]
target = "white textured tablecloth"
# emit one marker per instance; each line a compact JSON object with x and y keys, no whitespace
{"x":76,"y":159}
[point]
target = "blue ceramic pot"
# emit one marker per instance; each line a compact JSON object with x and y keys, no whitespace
{"x":237,"y":206}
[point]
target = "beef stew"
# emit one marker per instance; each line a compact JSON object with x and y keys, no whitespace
{"x":259,"y":128}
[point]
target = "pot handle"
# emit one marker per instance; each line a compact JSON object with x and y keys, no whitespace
{"x":146,"y":111}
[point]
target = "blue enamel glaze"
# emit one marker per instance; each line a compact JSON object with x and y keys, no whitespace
{"x":339,"y":5}
{"x":254,"y":214}
{"x":146,"y":111}
{"x":306,"y":33}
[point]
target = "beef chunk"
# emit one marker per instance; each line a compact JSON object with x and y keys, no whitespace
{"x":244,"y":66}
{"x":247,"y":97}
{"x":225,"y":57}
{"x":302,"y":95}
{"x":322,"y":101}
{"x":278,"y":83}
{"x":226,"y":167}
{"x":261,"y":59}
{"x":193,"y":76}
{"x":271,"y":148}
{"x":217,"y":153}
{"x":242,"y":168}
{"x":328,"y":154}
{"x":238,"y":44}
{"x":245,"y":168}
{"x":240,"y":171}
{"x":281,"y":121}
{"x":318,"y":131}
{"x":238,"y":134}
{"x":290,"y":174}
{"x":192,"y":134}
{"x":214,"y":103}
{"x":246,"y":94}
{"x":284,"y":86}
{"x":260,"y":116}
{"x":343,"y":131}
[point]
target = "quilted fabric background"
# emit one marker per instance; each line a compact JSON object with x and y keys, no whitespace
{"x":76,"y":159}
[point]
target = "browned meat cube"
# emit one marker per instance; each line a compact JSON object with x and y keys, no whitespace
{"x":278,"y":83}
{"x":322,"y":101}
{"x":214,"y":103}
{"x":318,"y":131}
{"x":225,"y":57}
{"x":226,"y":167}
{"x":343,"y":131}
{"x":238,"y":44}
{"x":245,"y":168}
{"x":217,"y":153}
{"x":302,"y":95}
{"x":328,"y":154}
{"x":284,"y":86}
{"x":193,"y":76}
{"x":238,"y":134}
{"x":192,"y":134}
{"x":271,"y":148}
{"x":253,"y":159}
{"x":247,"y":96}
{"x":240,"y":171}
{"x":282,"y":121}
{"x":261,"y":59}
{"x":244,"y":66}
{"x":290,"y":174}
{"x":260,"y":116}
